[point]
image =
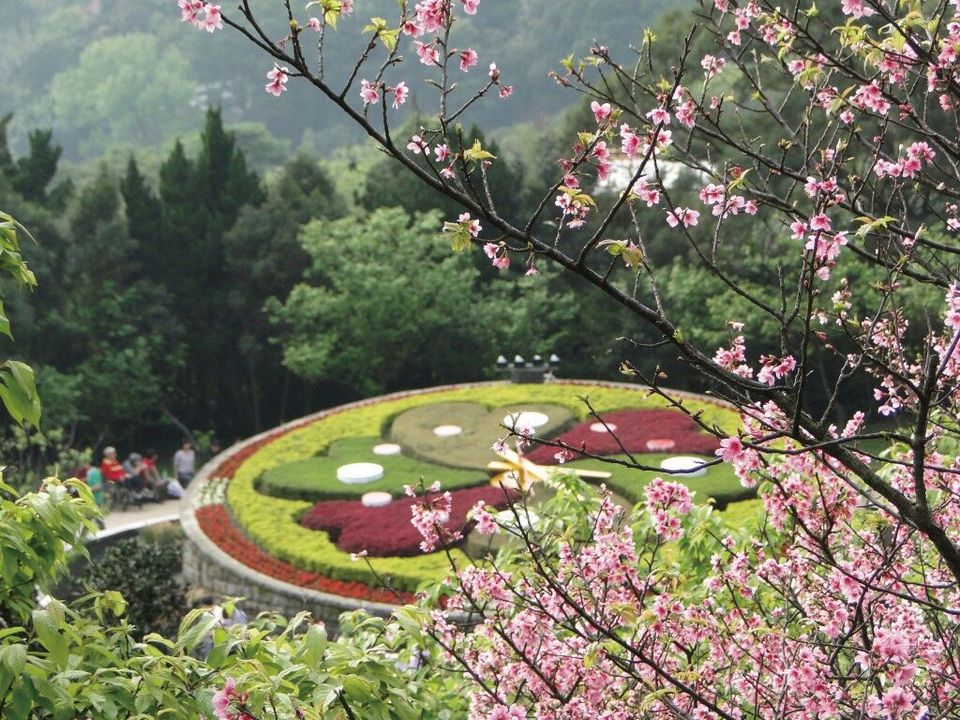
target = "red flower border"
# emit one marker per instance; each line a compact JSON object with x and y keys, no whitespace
{"x":216,"y":523}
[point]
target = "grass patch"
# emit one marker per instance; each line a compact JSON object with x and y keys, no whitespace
{"x":413,"y":430}
{"x":316,"y":478}
{"x":744,"y":515}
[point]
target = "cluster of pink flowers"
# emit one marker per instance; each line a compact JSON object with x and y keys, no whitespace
{"x":228,"y":704}
{"x":468,"y":58}
{"x":277,"y":80}
{"x":712,"y":66}
{"x":650,"y":194}
{"x":734,"y":358}
{"x":203,"y":15}
{"x":688,"y":217}
{"x":723,"y":205}
{"x":601,"y":112}
{"x":826,"y":190}
{"x":725,"y":643}
{"x":432,"y":16}
{"x":472,"y":224}
{"x":427,"y":52}
{"x":574,"y":209}
{"x":485,"y":524}
{"x":773,"y":369}
{"x":429,"y":517}
{"x":499,"y":257}
{"x":665,"y":502}
{"x":370,"y":92}
{"x":908,"y":165}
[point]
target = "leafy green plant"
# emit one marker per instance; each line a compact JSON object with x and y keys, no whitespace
{"x":18,"y":390}
{"x":146,"y":572}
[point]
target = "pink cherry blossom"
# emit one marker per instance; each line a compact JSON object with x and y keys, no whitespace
{"x":400,"y":92}
{"x":370,"y":92}
{"x":427,"y":53}
{"x":712,"y":66}
{"x":473,"y":226}
{"x":687,"y":216}
{"x":485,"y":524}
{"x":731,"y":449}
{"x":468,"y":58}
{"x":190,"y":10}
{"x":820,"y":222}
{"x":856,"y":8}
{"x":227,"y":702}
{"x":212,"y":19}
{"x":417,"y":145}
{"x":659,"y":116}
{"x":600,"y":112}
{"x":278,"y":80}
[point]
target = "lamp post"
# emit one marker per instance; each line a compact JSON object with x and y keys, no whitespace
{"x":536,"y":370}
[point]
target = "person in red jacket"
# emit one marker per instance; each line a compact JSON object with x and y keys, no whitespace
{"x":111,"y":469}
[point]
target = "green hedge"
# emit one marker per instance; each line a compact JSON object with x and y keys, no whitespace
{"x":719,"y":482}
{"x":316,"y":478}
{"x":271,"y":522}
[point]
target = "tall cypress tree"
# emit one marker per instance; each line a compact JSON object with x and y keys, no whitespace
{"x":35,"y":171}
{"x":200,"y":204}
{"x":143,"y":212}
{"x":6,"y":159}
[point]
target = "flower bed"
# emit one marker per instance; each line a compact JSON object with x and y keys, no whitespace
{"x":267,"y":527}
{"x":215,"y":522}
{"x":387,"y":531}
{"x":636,"y":430}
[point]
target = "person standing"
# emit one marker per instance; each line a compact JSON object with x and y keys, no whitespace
{"x":184,"y":463}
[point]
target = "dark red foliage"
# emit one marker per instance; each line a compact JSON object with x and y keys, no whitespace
{"x":217,"y":525}
{"x":634,"y":428}
{"x":387,"y":531}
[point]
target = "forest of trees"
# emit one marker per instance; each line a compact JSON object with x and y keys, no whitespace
{"x":185,"y":287}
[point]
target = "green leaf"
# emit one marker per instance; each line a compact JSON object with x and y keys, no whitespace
{"x":390,"y":38}
{"x":14,"y":657}
{"x":18,"y":391}
{"x":5,"y":322}
{"x":477,"y":153}
{"x":375,"y":25}
{"x":50,"y":637}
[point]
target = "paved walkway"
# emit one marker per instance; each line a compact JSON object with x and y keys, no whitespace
{"x":138,"y":517}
